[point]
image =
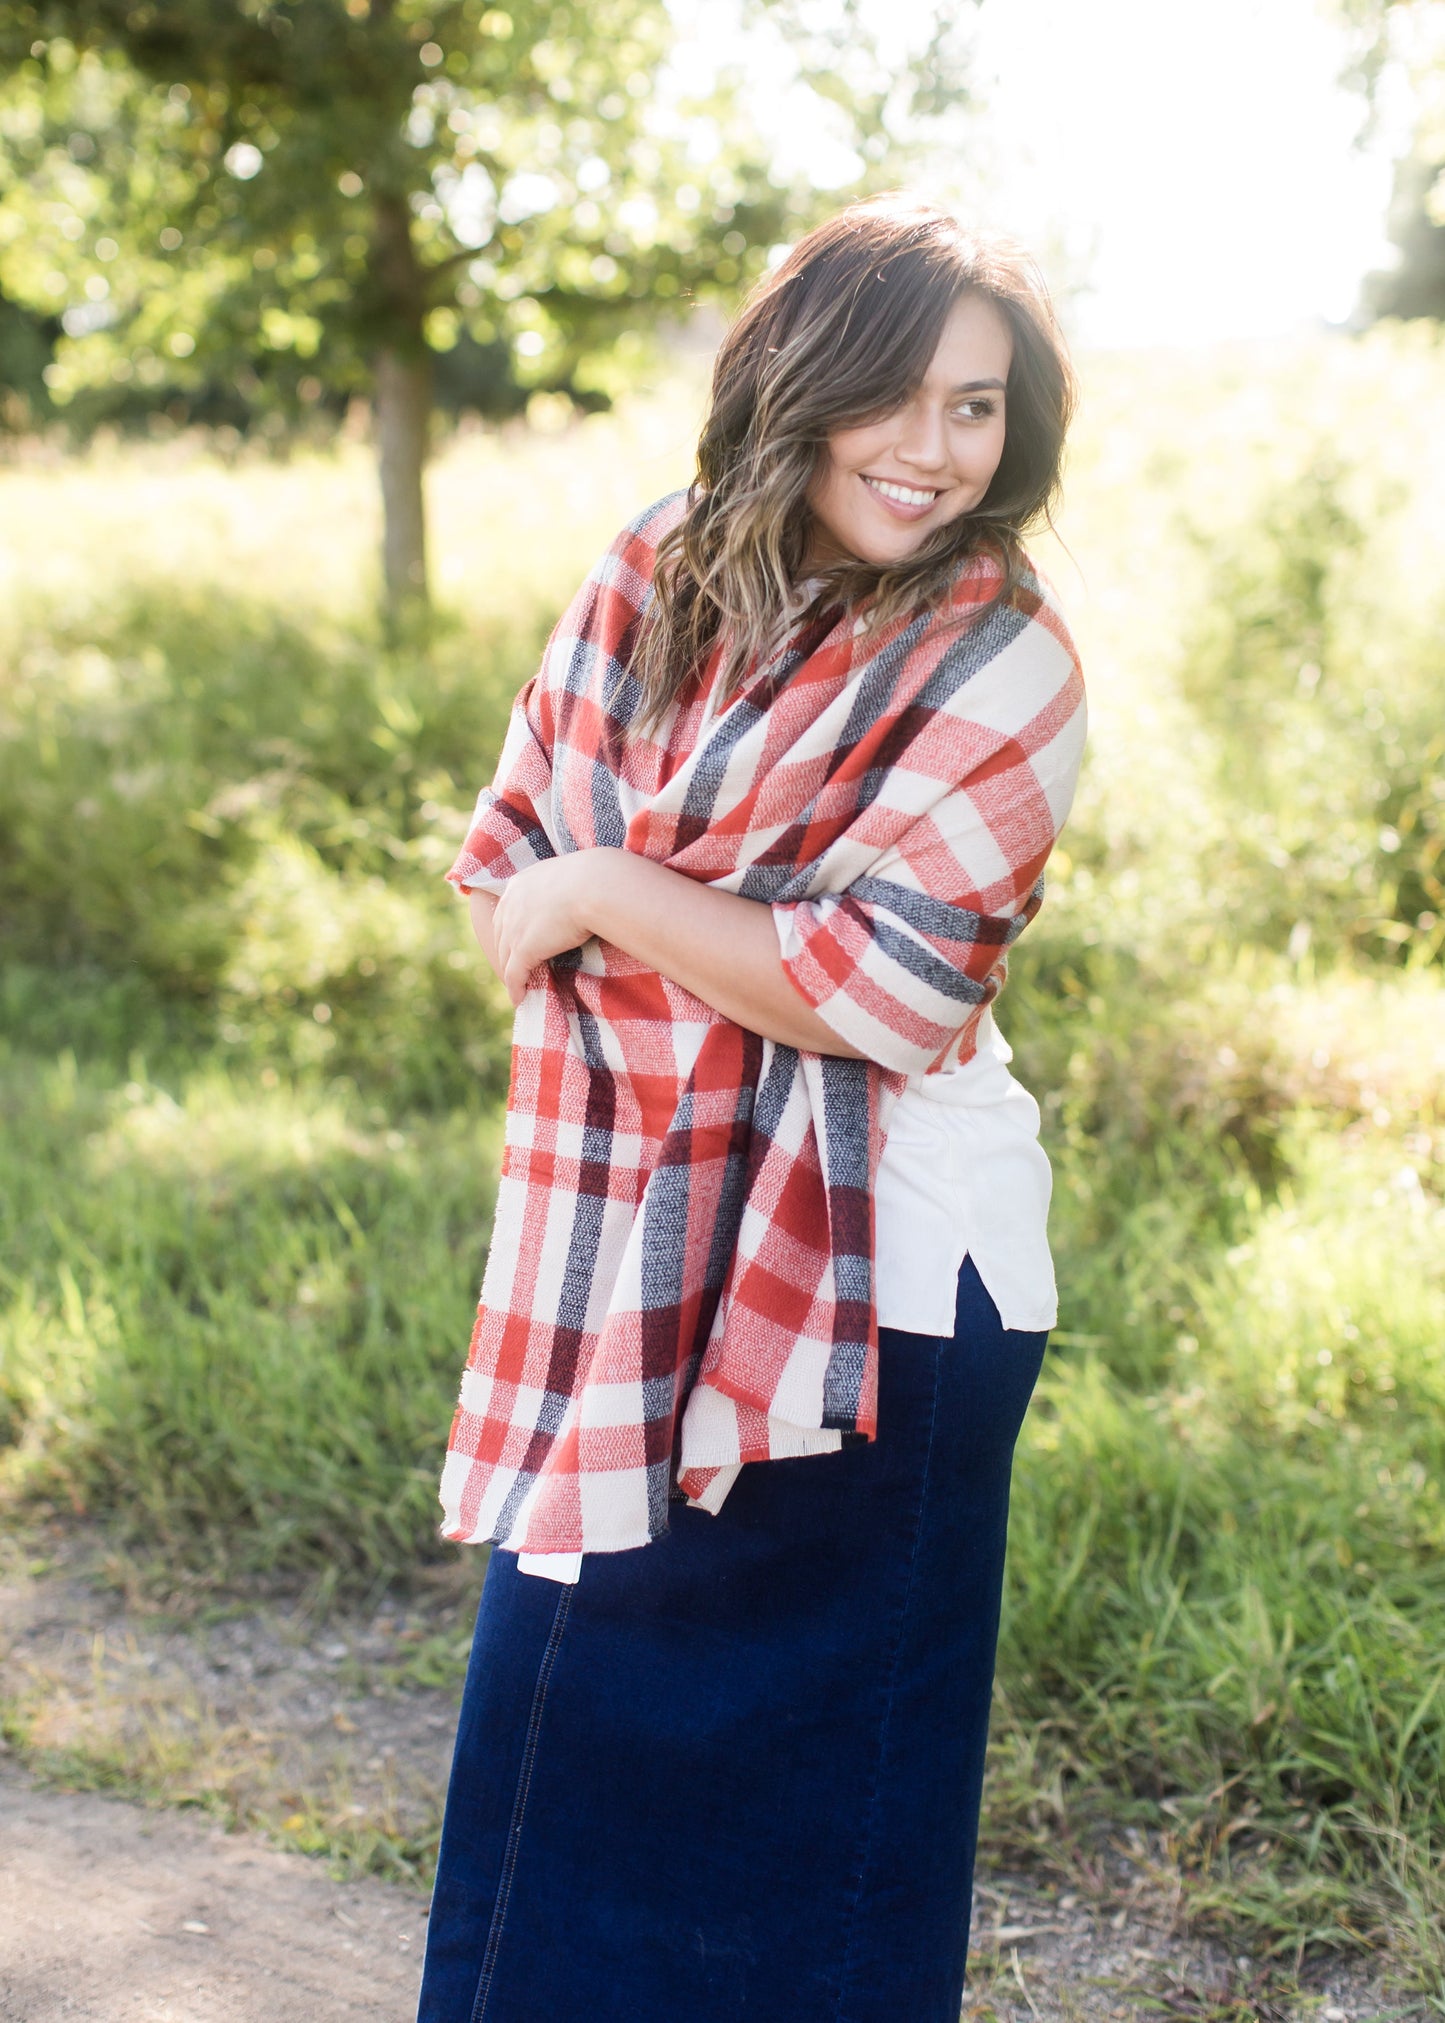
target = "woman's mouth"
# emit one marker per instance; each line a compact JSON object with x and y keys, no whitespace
{"x":904,"y":502}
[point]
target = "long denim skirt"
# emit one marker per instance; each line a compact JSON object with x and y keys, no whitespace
{"x":735,"y":1774}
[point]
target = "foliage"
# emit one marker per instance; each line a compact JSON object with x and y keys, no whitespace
{"x":239,"y":1245}
{"x":213,"y":195}
{"x":292,"y":799}
{"x":237,"y":209}
{"x":1285,"y":674}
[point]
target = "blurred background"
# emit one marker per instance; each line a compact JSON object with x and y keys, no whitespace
{"x":337,"y":337}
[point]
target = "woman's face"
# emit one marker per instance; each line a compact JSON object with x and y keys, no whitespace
{"x":889,"y":484}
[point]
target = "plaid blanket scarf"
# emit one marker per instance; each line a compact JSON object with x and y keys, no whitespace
{"x":680,"y":1273}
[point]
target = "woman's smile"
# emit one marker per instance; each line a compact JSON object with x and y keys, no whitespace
{"x":905,"y":502}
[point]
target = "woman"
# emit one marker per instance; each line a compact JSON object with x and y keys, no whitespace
{"x":769,"y":1285}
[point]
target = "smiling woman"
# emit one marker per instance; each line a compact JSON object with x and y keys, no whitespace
{"x":769,"y":1282}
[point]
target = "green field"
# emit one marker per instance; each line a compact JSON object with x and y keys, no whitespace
{"x":251,"y":1073}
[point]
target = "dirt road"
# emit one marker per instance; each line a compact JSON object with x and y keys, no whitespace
{"x":130,"y":1916}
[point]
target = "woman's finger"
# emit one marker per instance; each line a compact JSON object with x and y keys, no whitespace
{"x":506,"y":939}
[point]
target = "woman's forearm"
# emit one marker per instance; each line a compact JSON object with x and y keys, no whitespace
{"x":721,"y":948}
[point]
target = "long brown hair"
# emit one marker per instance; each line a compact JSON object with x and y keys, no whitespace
{"x":843,"y":330}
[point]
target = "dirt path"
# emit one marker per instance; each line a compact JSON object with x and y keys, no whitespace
{"x":329,"y":1734}
{"x":116,"y":1913}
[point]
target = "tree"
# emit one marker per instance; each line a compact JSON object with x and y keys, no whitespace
{"x":1408,"y":35}
{"x":26,"y":345}
{"x":1415,"y":286}
{"x":300,"y":195}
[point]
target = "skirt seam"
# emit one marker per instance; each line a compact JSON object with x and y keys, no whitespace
{"x":519,"y":1807}
{"x":887,"y":1716}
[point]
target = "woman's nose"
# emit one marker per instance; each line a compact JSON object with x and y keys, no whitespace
{"x":920,"y":440}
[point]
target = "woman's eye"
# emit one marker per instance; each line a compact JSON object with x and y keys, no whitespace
{"x":976,"y":410}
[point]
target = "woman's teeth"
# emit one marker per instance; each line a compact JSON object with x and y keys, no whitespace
{"x":904,"y":495}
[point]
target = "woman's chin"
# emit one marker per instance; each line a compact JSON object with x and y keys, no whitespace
{"x":887,"y":553}
{"x":874,"y":541}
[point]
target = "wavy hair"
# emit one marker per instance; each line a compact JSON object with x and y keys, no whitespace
{"x":842,"y":331}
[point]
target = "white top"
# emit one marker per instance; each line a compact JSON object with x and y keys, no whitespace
{"x":963,"y":1175}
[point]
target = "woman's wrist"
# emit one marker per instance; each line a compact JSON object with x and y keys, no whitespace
{"x":611,"y":885}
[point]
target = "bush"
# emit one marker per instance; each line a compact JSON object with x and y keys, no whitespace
{"x":251,"y":817}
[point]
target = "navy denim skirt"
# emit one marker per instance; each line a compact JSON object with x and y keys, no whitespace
{"x":735,"y":1774}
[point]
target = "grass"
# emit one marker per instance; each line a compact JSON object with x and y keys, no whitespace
{"x":236,"y":1326}
{"x":250,"y":1079}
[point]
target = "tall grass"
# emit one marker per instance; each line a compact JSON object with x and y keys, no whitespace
{"x":234,"y":1310}
{"x":250,"y":1074}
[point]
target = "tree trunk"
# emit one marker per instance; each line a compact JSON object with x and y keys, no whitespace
{"x":403,"y":406}
{"x":403,"y":416}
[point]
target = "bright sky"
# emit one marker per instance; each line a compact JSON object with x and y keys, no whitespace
{"x":1191,"y":162}
{"x":1196,"y":161}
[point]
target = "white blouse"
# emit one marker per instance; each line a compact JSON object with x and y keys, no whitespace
{"x":963,"y":1175}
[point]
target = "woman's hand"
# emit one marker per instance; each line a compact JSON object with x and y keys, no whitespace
{"x":542,"y":911}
